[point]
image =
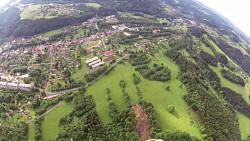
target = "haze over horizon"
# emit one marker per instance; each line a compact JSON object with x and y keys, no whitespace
{"x":237,"y":11}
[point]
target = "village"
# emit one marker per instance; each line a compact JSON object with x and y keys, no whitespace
{"x":59,"y":59}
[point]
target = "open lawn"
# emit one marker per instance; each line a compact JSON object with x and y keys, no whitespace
{"x":52,"y":33}
{"x":78,"y":75}
{"x":207,"y":49}
{"x":30,"y":11}
{"x":50,"y":124}
{"x":244,"y":125}
{"x":152,"y":91}
{"x":95,"y":5}
{"x":31,"y":132}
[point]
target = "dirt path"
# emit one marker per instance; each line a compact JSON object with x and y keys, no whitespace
{"x":142,"y":124}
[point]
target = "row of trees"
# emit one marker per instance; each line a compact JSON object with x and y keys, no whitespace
{"x":157,"y":73}
{"x":236,"y":100}
{"x":93,"y":76}
{"x":138,"y":58}
{"x":112,"y":108}
{"x":232,"y":77}
{"x":214,"y":115}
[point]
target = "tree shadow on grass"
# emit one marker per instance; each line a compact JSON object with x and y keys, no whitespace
{"x":174,"y":113}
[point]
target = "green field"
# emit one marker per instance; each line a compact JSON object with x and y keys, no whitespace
{"x":152,"y":91}
{"x":244,"y":125}
{"x":31,"y":132}
{"x":207,"y":49}
{"x":52,"y":33}
{"x":50,"y":127}
{"x":95,"y":5}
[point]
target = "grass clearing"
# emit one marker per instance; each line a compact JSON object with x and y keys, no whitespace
{"x":52,"y":33}
{"x":207,"y":49}
{"x":95,"y":5}
{"x":50,"y":124}
{"x":31,"y":132}
{"x":244,"y":125}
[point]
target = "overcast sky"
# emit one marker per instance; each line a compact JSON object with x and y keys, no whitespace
{"x":237,"y":11}
{"x":3,"y":2}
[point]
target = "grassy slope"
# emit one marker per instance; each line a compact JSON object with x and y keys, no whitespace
{"x":50,"y":127}
{"x":207,"y":49}
{"x":52,"y":33}
{"x":152,"y":91}
{"x":31,"y":132}
{"x":244,"y":125}
{"x":95,"y":5}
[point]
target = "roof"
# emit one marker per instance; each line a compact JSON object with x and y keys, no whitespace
{"x":98,"y":64}
{"x":109,"y":59}
{"x":108,"y":53}
{"x":91,"y":60}
{"x":94,"y":62}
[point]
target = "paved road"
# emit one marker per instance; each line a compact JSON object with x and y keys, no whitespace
{"x":47,"y":112}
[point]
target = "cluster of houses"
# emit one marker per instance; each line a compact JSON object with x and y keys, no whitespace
{"x":16,"y":86}
{"x":181,"y":22}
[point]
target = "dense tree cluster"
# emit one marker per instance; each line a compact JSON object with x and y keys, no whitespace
{"x":211,"y":112}
{"x":17,"y":132}
{"x":83,"y":104}
{"x":157,"y":73}
{"x":168,"y":135}
{"x":236,"y":100}
{"x":229,"y":75}
{"x":93,"y":76}
{"x":138,"y":58}
{"x":151,"y":115}
{"x":38,"y":128}
{"x":136,"y":79}
{"x":208,"y":58}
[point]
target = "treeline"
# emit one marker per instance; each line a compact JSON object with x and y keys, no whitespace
{"x":157,"y":73}
{"x":236,"y":100}
{"x":38,"y":128}
{"x":28,"y":27}
{"x":93,"y":76}
{"x":18,"y":132}
{"x":151,"y":115}
{"x":208,"y":58}
{"x":232,"y":77}
{"x":138,"y":58}
{"x":211,"y":112}
{"x":235,"y":54}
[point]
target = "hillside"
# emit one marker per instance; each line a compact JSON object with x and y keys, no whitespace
{"x":122,"y":70}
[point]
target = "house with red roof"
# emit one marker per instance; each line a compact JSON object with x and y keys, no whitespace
{"x":109,"y":53}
